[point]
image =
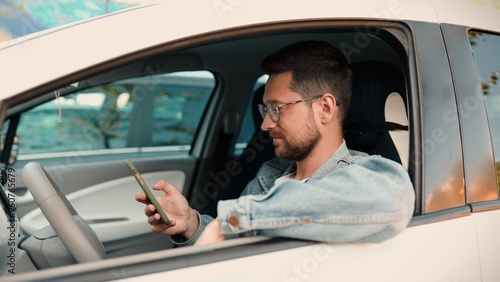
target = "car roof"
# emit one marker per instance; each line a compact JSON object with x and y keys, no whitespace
{"x":49,"y":55}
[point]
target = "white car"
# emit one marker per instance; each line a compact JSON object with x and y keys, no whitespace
{"x":173,"y":87}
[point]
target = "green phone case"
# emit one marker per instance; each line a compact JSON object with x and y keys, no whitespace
{"x":148,"y":192}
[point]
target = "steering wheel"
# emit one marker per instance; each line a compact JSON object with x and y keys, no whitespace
{"x":80,"y":240}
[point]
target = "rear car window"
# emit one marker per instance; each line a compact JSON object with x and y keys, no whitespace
{"x":485,"y":47}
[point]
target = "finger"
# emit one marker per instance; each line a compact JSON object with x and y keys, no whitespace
{"x":172,"y":223}
{"x":155,"y":220}
{"x":150,"y":210}
{"x":152,"y":220}
{"x":142,"y":198}
{"x":157,"y":228}
{"x":157,"y":225}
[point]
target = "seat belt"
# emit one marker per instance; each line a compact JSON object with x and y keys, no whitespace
{"x":373,"y":127}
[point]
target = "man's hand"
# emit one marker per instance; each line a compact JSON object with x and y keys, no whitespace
{"x":183,"y":219}
{"x":211,"y":234}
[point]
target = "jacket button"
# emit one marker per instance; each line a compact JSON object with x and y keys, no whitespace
{"x":233,"y":220}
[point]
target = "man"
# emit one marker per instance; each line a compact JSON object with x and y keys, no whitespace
{"x":316,"y":189}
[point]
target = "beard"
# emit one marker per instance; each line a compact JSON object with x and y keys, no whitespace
{"x":300,"y":145}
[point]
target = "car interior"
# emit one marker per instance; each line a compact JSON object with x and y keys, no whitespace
{"x":377,"y":123}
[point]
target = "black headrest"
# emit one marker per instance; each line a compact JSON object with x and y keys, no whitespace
{"x":364,"y":125}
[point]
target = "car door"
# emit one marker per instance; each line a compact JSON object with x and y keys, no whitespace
{"x":441,"y":243}
{"x":83,"y":133}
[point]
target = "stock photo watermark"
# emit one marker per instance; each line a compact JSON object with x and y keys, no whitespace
{"x":222,"y":7}
{"x":11,"y":220}
{"x":304,"y":269}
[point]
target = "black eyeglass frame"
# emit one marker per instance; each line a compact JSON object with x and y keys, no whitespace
{"x":275,"y":114}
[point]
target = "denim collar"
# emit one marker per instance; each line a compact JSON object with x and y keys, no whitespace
{"x":342,"y":154}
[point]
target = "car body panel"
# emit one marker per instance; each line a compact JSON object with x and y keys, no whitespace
{"x":237,"y":14}
{"x":393,"y":260}
{"x":136,"y":33}
{"x":480,"y":14}
{"x":487,"y":233}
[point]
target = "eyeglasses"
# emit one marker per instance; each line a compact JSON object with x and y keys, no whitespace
{"x":273,"y":109}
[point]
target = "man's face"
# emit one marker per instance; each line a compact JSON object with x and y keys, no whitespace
{"x":296,"y":134}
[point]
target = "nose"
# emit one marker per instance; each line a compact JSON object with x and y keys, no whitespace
{"x":267,"y":123}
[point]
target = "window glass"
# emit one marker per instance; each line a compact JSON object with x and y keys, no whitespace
{"x":485,"y":47}
{"x":150,"y":111}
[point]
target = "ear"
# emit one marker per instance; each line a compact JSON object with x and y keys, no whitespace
{"x":328,"y":108}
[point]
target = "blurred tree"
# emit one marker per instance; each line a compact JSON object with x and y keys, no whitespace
{"x":109,"y":119}
{"x":475,"y":37}
{"x":22,"y":17}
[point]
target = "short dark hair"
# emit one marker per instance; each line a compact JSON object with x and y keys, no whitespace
{"x":317,"y":68}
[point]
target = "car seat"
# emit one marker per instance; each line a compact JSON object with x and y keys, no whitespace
{"x":376,"y":122}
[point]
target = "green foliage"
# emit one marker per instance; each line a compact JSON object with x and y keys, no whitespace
{"x":475,"y":37}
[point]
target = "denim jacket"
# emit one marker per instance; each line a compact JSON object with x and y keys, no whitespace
{"x":351,"y":198}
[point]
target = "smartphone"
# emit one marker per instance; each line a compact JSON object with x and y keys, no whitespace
{"x":148,"y":191}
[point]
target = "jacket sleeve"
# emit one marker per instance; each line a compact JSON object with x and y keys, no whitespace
{"x":370,"y":200}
